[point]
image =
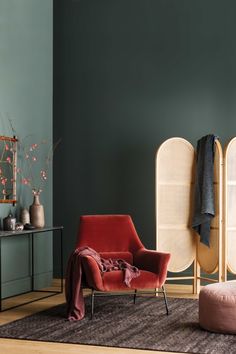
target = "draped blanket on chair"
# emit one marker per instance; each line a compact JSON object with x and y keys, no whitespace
{"x":74,"y":294}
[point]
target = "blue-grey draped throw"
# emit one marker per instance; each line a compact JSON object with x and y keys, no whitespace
{"x":204,"y":207}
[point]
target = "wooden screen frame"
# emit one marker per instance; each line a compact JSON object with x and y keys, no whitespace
{"x":178,"y":262}
{"x":201,"y":259}
{"x":228,"y":255}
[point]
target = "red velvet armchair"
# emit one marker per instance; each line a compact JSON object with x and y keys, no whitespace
{"x":114,"y":236}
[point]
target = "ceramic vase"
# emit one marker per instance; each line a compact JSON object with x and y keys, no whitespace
{"x":37,"y":213}
{"x":9,"y":223}
{"x":25,"y":216}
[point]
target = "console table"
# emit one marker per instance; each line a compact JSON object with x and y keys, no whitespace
{"x":32,"y":234}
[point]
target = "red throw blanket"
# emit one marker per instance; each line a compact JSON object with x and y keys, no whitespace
{"x":73,"y":287}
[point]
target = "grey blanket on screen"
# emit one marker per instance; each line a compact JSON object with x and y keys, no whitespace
{"x":204,"y":207}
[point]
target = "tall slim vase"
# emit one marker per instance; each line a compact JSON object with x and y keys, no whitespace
{"x":37,"y":213}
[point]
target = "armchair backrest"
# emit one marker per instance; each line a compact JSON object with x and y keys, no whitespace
{"x":108,"y":233}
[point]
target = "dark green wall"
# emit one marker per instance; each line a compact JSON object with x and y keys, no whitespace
{"x":129,"y":74}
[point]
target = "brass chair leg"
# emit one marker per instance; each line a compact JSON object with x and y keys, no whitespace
{"x":92,"y":304}
{"x":165,"y":299}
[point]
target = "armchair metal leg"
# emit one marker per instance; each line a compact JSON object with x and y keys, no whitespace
{"x":135,"y":295}
{"x":92,"y":304}
{"x":165,"y":299}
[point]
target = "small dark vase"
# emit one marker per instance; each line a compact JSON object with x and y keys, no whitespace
{"x":9,"y":223}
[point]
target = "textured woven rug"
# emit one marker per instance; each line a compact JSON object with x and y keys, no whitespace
{"x":118,"y":322}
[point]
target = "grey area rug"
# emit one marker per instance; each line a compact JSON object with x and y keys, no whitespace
{"x":118,"y":322}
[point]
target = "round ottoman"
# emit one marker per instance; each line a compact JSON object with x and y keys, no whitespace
{"x":217,"y":307}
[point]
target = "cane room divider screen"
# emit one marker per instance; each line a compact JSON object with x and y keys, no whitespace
{"x":175,"y":173}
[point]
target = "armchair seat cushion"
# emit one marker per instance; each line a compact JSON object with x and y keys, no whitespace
{"x":114,"y":281}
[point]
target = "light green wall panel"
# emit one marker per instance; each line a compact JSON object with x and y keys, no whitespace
{"x":26,"y":28}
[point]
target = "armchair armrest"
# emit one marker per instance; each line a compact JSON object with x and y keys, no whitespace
{"x":92,"y":273}
{"x":152,"y":261}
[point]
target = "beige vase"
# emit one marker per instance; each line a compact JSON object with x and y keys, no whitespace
{"x":25,"y":216}
{"x":37,"y":213}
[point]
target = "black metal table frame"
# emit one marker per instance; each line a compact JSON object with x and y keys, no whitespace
{"x":31,"y":233}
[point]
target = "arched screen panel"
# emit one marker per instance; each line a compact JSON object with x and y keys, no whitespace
{"x":175,"y":162}
{"x":230,"y":204}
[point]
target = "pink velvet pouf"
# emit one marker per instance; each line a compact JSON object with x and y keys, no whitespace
{"x":217,"y":307}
